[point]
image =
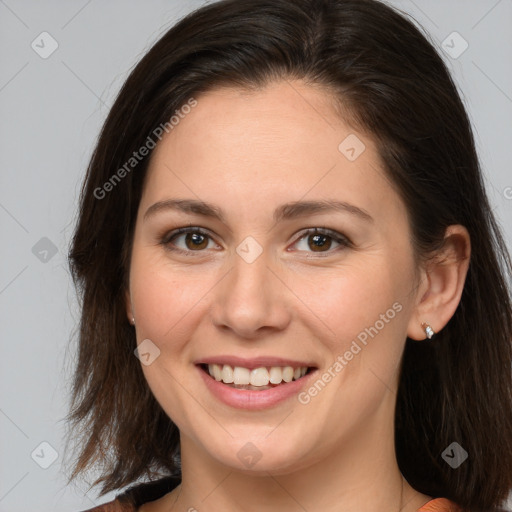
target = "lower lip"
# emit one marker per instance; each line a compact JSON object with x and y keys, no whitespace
{"x":253,"y":400}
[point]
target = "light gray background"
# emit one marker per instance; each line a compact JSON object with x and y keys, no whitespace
{"x":51,"y":111}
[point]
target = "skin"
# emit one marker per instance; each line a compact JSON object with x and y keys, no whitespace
{"x":248,"y":153}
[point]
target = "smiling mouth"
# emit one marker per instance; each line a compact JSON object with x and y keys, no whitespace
{"x":257,"y":379}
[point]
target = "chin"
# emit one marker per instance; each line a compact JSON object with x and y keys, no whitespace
{"x":259,"y":455}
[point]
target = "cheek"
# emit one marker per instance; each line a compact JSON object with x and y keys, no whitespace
{"x":166,"y":303}
{"x":351,"y":299}
{"x":367,"y":310}
{"x":164,"y":297}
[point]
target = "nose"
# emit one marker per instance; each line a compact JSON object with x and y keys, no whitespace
{"x":252,"y":300}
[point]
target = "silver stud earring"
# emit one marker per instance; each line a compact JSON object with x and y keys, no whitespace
{"x":133,"y":320}
{"x":428,"y":330}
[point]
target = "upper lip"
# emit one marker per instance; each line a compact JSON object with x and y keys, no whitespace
{"x":254,"y":362}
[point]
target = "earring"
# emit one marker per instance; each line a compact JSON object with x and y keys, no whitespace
{"x":428,"y":330}
{"x":133,"y":320}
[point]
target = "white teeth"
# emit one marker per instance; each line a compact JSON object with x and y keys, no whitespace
{"x":256,"y":377}
{"x":214,"y":370}
{"x":241,"y":375}
{"x":259,"y":377}
{"x":287,"y":373}
{"x":276,"y":375}
{"x":227,"y":374}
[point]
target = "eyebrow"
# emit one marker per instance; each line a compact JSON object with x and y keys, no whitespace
{"x":286,"y":211}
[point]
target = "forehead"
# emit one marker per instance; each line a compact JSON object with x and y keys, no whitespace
{"x":284,"y":122}
{"x":281,"y":143}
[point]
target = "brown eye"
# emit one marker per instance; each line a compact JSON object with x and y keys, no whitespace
{"x":193,"y":240}
{"x":321,"y":240}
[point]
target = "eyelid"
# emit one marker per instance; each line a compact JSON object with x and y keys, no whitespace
{"x":339,"y":238}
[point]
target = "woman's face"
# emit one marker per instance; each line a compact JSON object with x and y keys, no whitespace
{"x":254,"y":288}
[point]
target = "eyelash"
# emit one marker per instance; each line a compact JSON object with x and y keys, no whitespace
{"x":335,"y":236}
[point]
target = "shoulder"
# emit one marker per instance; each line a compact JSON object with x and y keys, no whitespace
{"x":139,"y":494}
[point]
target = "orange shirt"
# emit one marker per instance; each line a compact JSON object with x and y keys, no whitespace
{"x":440,"y":505}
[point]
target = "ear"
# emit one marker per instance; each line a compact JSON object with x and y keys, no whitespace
{"x":441,"y":283}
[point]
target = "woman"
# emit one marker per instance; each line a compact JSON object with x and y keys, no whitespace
{"x":294,"y":289}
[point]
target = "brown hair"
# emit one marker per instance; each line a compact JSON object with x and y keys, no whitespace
{"x":394,"y":86}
